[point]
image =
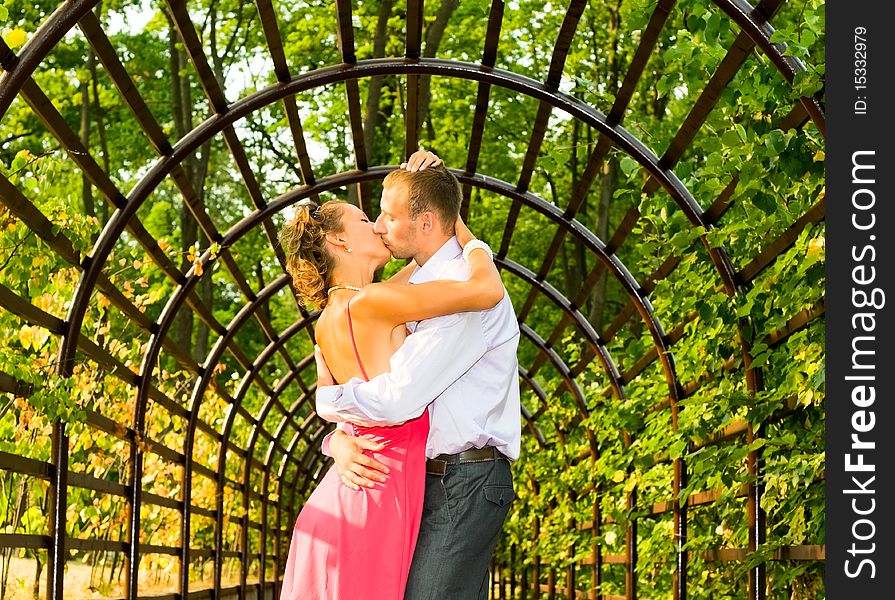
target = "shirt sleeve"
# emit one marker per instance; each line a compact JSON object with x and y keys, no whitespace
{"x":438,"y":353}
{"x":324,"y":445}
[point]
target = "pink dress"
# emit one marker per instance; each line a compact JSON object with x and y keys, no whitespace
{"x":350,"y":544}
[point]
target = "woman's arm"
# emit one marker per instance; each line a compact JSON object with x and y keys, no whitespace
{"x":399,"y":303}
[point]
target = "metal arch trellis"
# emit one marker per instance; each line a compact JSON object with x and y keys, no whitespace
{"x":16,"y":79}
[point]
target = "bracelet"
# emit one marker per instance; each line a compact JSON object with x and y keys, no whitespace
{"x":474,"y":244}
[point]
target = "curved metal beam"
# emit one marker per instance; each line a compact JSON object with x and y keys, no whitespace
{"x":217,"y":123}
{"x":569,"y":308}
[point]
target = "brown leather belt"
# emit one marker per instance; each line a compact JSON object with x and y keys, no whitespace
{"x":438,"y":465}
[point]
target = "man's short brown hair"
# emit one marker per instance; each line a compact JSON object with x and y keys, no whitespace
{"x":434,"y":188}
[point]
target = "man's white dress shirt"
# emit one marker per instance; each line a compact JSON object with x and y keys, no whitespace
{"x":466,"y":362}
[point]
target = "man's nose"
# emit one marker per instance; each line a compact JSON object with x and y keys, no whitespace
{"x":378,"y":226}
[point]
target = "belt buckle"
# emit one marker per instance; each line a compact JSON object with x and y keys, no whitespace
{"x":435,"y":466}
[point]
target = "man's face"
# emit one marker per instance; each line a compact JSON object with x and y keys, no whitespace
{"x":398,"y":231}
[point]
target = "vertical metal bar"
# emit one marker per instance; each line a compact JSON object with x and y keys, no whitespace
{"x":679,"y":591}
{"x":186,"y":518}
{"x":278,"y":556}
{"x":244,"y":540}
{"x":501,"y":586}
{"x":524,"y":591}
{"x":411,"y":136}
{"x":596,"y":551}
{"x":133,"y":523}
{"x":756,"y":519}
{"x":513,"y":571}
{"x":262,"y":538}
{"x":58,"y":501}
{"x":536,"y":567}
{"x":218,"y":546}
{"x":570,"y":576}
{"x":631,"y":549}
{"x":754,"y":463}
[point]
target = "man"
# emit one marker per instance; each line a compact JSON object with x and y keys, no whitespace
{"x":467,"y":363}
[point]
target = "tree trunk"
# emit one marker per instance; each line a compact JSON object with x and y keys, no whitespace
{"x":434,"y":34}
{"x":574,"y":263}
{"x":86,"y":189}
{"x":608,"y":170}
{"x":374,"y":92}
{"x":181,"y":108}
{"x":100,"y":120}
{"x":197,"y":177}
{"x":608,"y":185}
{"x":206,"y":294}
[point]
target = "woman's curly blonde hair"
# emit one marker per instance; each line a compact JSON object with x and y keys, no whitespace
{"x":303,"y":239}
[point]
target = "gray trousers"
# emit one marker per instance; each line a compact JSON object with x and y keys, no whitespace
{"x":463,"y":512}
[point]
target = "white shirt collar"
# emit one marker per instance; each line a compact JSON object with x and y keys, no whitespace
{"x":430,"y":271}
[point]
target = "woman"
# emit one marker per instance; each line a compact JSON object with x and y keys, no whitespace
{"x":350,"y":543}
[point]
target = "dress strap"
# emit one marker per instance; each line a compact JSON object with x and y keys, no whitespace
{"x":353,"y":343}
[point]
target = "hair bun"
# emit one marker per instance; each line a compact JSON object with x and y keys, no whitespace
{"x":312,"y":206}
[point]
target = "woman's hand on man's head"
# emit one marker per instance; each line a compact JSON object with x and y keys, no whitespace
{"x":420,"y":160}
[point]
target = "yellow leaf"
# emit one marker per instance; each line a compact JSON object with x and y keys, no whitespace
{"x":819,"y":156}
{"x":25,"y":336}
{"x":14,"y":37}
{"x":815,"y":247}
{"x":32,"y":336}
{"x":198,"y":265}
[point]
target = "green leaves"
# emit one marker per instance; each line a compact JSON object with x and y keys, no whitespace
{"x":764,"y":202}
{"x":776,"y":141}
{"x":628,"y":165}
{"x":713,"y":24}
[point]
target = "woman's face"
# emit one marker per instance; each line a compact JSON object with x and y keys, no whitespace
{"x":358,"y":231}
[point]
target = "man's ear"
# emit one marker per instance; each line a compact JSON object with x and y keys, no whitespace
{"x":427,"y":222}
